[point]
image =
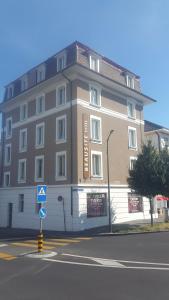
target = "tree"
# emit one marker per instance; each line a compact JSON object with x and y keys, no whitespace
{"x":163,"y":172}
{"x":145,"y":177}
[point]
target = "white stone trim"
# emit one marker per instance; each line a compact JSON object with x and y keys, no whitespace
{"x":60,"y":178}
{"x":20,"y":135}
{"x":37,"y":146}
{"x":59,"y":141}
{"x":42,"y":178}
{"x":19,"y":173}
{"x":92,"y":117}
{"x":101,"y":165}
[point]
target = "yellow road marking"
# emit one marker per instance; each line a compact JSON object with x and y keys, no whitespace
{"x":65,"y":240}
{"x":30,"y":245}
{"x":6,"y":256}
{"x":46,"y":242}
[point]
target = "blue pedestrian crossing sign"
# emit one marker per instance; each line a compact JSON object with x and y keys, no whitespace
{"x":42,"y":213}
{"x":41,"y":193}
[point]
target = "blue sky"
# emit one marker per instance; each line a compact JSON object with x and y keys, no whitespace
{"x":133,"y":33}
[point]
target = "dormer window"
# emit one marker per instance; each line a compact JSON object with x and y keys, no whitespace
{"x":94,"y":63}
{"x":130,"y":81}
{"x":61,"y":61}
{"x":24,"y":83}
{"x":40,"y":73}
{"x":10,"y":91}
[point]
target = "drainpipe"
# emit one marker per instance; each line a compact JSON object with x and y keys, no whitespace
{"x":71,"y":143}
{"x":2,"y":149}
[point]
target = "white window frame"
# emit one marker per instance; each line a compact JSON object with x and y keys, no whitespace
{"x":40,"y":70}
{"x":129,"y":142}
{"x":57,"y":95}
{"x":134,"y":109}
{"x":42,"y":178}
{"x":98,"y":89}
{"x":101,"y":164}
{"x":9,"y":89}
{"x":8,"y":136}
{"x":132,"y":158}
{"x":20,"y":161}
{"x":92,"y":57}
{"x":61,"y":55}
{"x":130,"y":77}
{"x":92,"y":117}
{"x":7,"y":163}
{"x":20,"y":140}
{"x":4,"y":182}
{"x":24,"y":83}
{"x":38,"y":146}
{"x":41,"y":96}
{"x":57,"y":177}
{"x":59,"y":141}
{"x":21,"y":112}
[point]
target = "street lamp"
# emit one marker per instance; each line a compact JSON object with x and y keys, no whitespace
{"x":108,"y":181}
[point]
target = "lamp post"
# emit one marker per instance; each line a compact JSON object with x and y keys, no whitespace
{"x":108,"y":181}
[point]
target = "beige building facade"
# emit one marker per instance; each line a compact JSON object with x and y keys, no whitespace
{"x":56,"y":121}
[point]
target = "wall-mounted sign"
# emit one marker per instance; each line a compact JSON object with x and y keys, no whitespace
{"x":135,"y":203}
{"x":85,"y":146}
{"x":96,"y":205}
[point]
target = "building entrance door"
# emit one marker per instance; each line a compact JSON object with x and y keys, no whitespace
{"x":10,"y":209}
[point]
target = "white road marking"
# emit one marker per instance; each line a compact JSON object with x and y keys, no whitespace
{"x":3,"y":245}
{"x":109,"y":262}
{"x":118,"y":260}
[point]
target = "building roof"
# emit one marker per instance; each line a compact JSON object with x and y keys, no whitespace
{"x":150,"y":126}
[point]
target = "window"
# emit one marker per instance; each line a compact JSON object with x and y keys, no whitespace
{"x":8,"y":128}
{"x":61,"y":129}
{"x":7,"y":154}
{"x":61,"y":95}
{"x":94,"y":63}
{"x":132,"y":135}
{"x":61,"y":61}
{"x":22,"y":171}
{"x":21,"y":203}
{"x":131,"y":110}
{"x":24,"y":83}
{"x":130,"y":81}
{"x":6,"y":179}
{"x":40,"y":73}
{"x":40,"y":104}
{"x":95,"y":96}
{"x":10,"y":91}
{"x":40,"y":133}
{"x":96,"y":165}
{"x":132,"y":162}
{"x":23,"y":140}
{"x":39,"y":168}
{"x":61,"y":165}
{"x":95,"y":129}
{"x":23,"y":112}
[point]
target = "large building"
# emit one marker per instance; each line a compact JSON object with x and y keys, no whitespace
{"x":56,"y":121}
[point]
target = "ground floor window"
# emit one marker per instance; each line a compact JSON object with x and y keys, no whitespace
{"x":96,"y":205}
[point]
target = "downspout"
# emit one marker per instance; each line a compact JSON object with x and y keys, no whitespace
{"x":71,"y":144}
{"x":2,"y":149}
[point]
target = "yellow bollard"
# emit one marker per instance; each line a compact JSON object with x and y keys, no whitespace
{"x":40,"y":242}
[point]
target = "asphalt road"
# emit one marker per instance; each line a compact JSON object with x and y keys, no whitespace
{"x":136,"y":268}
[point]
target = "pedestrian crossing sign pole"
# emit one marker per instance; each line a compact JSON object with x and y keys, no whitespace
{"x":41,"y":198}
